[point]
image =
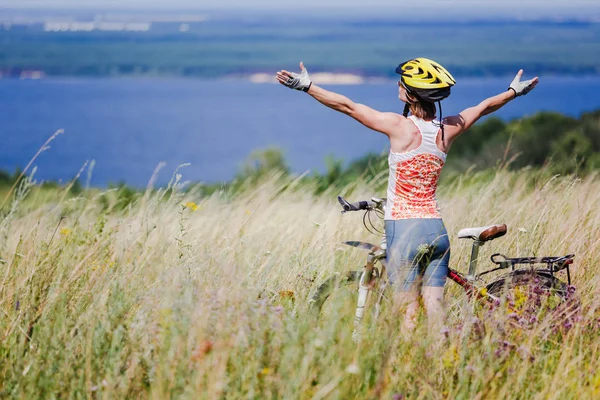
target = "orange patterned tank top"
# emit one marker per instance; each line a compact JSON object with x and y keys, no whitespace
{"x":414,"y":176}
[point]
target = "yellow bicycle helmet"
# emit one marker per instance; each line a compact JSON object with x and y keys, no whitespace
{"x":426,"y":80}
{"x":423,"y":73}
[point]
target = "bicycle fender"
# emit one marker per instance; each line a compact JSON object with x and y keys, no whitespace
{"x":363,"y":245}
{"x":540,"y":272}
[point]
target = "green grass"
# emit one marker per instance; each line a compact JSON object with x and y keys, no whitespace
{"x":156,"y":300}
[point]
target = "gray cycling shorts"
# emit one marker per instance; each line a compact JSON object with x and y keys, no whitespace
{"x":418,"y":252}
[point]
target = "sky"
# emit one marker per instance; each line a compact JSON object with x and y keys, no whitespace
{"x":279,"y":4}
{"x":449,"y":9}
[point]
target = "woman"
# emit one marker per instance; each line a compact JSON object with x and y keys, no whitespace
{"x":418,"y":245}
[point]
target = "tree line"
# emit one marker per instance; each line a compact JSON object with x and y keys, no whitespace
{"x":548,"y":141}
{"x":557,"y":143}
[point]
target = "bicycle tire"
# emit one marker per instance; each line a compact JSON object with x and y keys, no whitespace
{"x":332,"y":283}
{"x":528,"y":292}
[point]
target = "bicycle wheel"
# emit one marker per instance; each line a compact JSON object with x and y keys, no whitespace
{"x":347,"y":281}
{"x":529,"y":295}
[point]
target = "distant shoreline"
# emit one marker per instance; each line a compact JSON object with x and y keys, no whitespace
{"x":321,"y":78}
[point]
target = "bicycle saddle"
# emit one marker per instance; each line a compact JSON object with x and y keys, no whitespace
{"x":484,"y":233}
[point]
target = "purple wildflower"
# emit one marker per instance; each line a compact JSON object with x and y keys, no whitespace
{"x":278,"y":309}
{"x":445,"y":331}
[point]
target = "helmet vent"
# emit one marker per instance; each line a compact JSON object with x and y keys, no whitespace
{"x":425,"y":74}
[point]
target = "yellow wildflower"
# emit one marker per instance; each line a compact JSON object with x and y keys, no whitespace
{"x":65,"y":231}
{"x":266,"y":371}
{"x":191,"y":205}
{"x":450,"y":357}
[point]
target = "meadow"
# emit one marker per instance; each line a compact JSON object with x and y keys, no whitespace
{"x":176,"y":295}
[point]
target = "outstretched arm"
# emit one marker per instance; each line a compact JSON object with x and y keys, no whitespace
{"x":384,"y":122}
{"x":456,"y":125}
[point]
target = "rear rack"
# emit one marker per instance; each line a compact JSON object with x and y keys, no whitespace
{"x":554,"y":264}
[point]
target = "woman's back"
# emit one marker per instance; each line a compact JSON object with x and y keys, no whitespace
{"x":413,"y":176}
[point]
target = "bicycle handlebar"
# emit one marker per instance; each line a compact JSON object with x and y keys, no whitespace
{"x":347,"y":206}
{"x":359,"y":205}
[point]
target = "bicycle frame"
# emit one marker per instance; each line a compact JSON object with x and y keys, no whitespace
{"x":370,"y":278}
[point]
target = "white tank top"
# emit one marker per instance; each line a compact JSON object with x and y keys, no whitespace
{"x":414,"y":176}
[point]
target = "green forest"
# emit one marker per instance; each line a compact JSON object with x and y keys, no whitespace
{"x":362,"y":46}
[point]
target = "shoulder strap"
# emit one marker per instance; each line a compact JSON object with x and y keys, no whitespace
{"x":427,"y":128}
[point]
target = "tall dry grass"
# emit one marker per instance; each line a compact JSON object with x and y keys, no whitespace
{"x":161,"y":301}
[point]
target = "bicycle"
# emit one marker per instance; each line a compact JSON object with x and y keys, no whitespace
{"x":521,"y":287}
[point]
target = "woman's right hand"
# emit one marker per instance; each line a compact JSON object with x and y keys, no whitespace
{"x":521,"y":88}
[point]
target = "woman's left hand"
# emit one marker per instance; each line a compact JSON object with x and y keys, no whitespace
{"x":293,"y":80}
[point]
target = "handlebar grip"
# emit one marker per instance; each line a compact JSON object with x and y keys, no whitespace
{"x":360,"y":205}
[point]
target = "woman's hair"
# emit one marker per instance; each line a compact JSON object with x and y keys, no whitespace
{"x":421,"y":109}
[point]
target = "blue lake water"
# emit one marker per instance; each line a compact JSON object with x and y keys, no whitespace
{"x":128,"y":126}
